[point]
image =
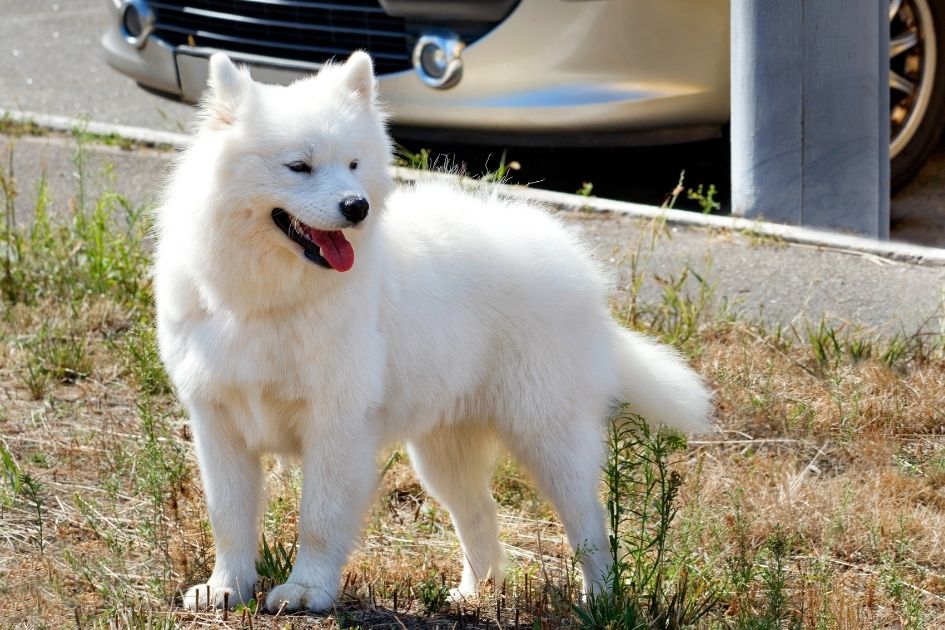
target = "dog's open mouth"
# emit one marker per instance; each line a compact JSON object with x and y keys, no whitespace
{"x":328,"y":248}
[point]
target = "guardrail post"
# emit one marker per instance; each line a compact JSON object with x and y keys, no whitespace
{"x":810,"y":113}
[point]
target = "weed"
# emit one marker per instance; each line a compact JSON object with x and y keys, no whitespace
{"x":140,"y":350}
{"x":11,"y":244}
{"x":433,"y":594}
{"x":586,"y":190}
{"x":760,"y":238}
{"x":824,"y":344}
{"x":419,"y":161}
{"x":161,"y":473}
{"x":774,"y":579}
{"x":59,"y":354}
{"x":896,"y":351}
{"x":639,"y":260}
{"x":908,"y":599}
{"x":11,"y":476}
{"x":669,"y":201}
{"x":80,"y":134}
{"x":10,"y":127}
{"x":678,"y":315}
{"x":275,"y":561}
{"x":100,"y":252}
{"x":31,"y":489}
{"x":644,"y":591}
{"x":706,"y":201}
{"x":501,"y":173}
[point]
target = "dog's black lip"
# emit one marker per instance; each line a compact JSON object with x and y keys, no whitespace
{"x":283,"y":221}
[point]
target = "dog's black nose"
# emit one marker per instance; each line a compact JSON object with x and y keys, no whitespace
{"x":354,"y":208}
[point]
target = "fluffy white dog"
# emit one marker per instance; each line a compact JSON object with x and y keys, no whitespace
{"x":307,"y":307}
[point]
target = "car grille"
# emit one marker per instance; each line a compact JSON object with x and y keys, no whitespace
{"x":297,"y":30}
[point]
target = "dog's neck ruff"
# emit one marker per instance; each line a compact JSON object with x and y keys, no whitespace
{"x":327,"y":248}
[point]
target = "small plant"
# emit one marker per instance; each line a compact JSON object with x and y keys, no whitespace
{"x":774,"y":578}
{"x":704,"y":198}
{"x":825,"y":345}
{"x":896,"y":351}
{"x":275,"y":562}
{"x":144,"y":362}
{"x":669,"y":201}
{"x":433,"y":594}
{"x":11,"y":477}
{"x":406,"y":158}
{"x":11,"y":243}
{"x":706,"y":201}
{"x":160,"y":475}
{"x":647,"y":588}
{"x":679,"y":314}
{"x":501,"y":174}
{"x":31,"y":489}
{"x":639,"y":261}
{"x":908,"y":599}
{"x":56,"y":355}
{"x":585,"y":191}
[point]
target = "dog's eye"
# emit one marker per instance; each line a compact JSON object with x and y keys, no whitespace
{"x":299,"y":167}
{"x":353,"y":165}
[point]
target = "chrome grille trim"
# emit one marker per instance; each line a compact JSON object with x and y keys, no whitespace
{"x":298,"y":30}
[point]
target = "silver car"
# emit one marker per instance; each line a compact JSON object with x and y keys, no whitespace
{"x":535,"y":72}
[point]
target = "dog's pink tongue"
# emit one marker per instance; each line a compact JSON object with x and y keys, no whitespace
{"x":334,"y":247}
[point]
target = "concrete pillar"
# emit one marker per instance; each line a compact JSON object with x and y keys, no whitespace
{"x":810,"y":113}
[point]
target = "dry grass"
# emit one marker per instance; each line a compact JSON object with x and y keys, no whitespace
{"x":822,"y":498}
{"x":848,"y":465}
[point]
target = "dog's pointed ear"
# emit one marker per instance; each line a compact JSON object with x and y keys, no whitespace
{"x":227,"y":86}
{"x":359,"y":75}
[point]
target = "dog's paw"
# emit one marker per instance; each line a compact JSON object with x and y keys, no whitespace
{"x":203,"y":596}
{"x":293,"y":596}
{"x":460,"y":595}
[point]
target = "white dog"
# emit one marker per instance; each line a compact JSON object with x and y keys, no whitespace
{"x":307,"y":307}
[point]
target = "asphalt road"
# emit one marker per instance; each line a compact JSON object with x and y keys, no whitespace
{"x":51,"y":62}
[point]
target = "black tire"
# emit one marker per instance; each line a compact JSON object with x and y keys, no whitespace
{"x":925,"y":131}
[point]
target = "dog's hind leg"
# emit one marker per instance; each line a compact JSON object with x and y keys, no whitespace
{"x":565,"y":457}
{"x":455,"y":465}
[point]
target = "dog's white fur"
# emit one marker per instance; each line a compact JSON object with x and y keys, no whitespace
{"x":465,"y":322}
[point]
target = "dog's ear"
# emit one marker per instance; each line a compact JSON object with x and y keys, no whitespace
{"x":359,"y":75}
{"x":227,"y":85}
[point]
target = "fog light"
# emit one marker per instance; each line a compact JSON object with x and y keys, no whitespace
{"x":137,"y":22}
{"x":436,"y":58}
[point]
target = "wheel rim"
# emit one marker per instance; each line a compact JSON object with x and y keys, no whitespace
{"x":912,"y":57}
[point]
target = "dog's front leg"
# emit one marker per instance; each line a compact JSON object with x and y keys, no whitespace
{"x":339,"y":477}
{"x":232,"y":480}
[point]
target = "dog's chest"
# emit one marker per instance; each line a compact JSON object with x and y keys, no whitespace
{"x":220,"y":350}
{"x":297,"y":357}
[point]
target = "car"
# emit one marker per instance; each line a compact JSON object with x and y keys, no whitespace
{"x":515,"y":72}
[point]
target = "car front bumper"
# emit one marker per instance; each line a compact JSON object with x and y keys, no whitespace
{"x":589,"y":71}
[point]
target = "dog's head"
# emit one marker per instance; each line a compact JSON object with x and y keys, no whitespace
{"x":302,"y":168}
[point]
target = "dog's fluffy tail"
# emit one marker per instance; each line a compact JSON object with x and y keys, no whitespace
{"x":657,"y":385}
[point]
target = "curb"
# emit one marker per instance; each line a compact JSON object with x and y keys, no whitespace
{"x":902,"y":252}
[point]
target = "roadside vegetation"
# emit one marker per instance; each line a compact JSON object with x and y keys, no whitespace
{"x":820,"y":503}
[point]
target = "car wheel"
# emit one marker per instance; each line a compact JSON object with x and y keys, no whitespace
{"x":916,"y":84}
